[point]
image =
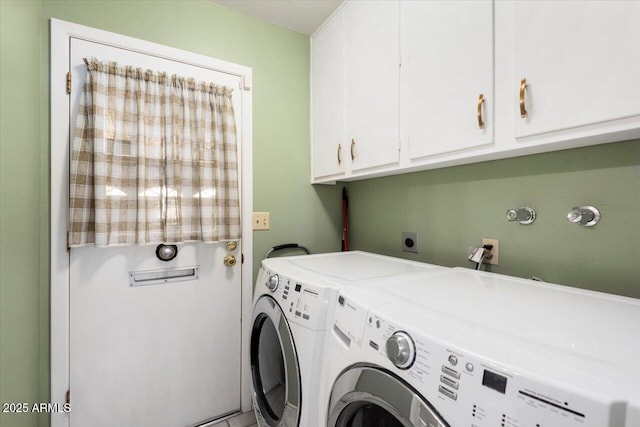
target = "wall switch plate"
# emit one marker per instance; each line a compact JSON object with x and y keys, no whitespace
{"x":410,"y":242}
{"x":261,"y":220}
{"x":495,"y":251}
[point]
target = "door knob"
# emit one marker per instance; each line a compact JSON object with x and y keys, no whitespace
{"x":231,"y":246}
{"x":230,"y":261}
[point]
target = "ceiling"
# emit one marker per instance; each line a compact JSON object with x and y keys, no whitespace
{"x":302,"y":16}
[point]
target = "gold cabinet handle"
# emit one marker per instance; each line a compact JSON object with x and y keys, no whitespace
{"x":480,"y":102}
{"x":523,"y":87}
{"x":353,"y":155}
{"x":339,"y":151}
{"x":230,"y":261}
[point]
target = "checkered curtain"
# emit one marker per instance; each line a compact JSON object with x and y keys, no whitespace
{"x":154,"y":159}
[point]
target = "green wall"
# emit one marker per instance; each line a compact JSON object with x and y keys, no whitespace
{"x":454,"y":208}
{"x":280,"y":62}
{"x":23,"y":203}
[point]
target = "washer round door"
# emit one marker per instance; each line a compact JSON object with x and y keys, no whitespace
{"x":275,"y":372}
{"x":366,"y":395}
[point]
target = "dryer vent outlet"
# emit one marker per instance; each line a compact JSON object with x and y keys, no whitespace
{"x":410,"y":242}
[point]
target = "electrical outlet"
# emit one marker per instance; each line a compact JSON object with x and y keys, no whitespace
{"x":495,"y":252}
{"x":261,"y":220}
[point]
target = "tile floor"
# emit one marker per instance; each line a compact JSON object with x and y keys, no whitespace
{"x":248,"y":419}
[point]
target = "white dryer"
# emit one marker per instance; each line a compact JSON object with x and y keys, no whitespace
{"x":468,"y":348}
{"x":292,"y":299}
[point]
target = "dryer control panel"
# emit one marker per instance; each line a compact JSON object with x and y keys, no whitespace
{"x":302,"y":303}
{"x":469,"y":390}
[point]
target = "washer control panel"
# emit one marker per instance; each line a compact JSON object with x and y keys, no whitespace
{"x":471,"y":391}
{"x":301,"y":303}
{"x":401,"y":350}
{"x":350,"y":317}
{"x":272,"y":282}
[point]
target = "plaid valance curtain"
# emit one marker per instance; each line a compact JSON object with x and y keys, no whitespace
{"x":154,"y":159}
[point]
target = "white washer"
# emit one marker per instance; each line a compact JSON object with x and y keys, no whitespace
{"x":360,"y":388}
{"x":292,"y":299}
{"x":480,"y":349}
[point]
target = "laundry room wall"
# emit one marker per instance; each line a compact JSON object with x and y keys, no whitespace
{"x":23,"y":229}
{"x":454,"y":208}
{"x":280,"y":61}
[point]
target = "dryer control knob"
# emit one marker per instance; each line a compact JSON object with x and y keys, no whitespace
{"x":272,"y":282}
{"x":401,"y":350}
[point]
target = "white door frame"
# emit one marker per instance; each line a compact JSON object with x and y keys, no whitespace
{"x":61,"y":33}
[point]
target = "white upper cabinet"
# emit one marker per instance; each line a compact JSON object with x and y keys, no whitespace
{"x":372,"y":87}
{"x":329,"y":146}
{"x":400,"y":86}
{"x":581,"y":62}
{"x":355,"y":60}
{"x":446,"y":76}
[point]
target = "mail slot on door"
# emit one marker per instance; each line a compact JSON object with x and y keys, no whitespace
{"x":168,"y":275}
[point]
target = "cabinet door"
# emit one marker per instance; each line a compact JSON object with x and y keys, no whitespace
{"x":581,"y":61}
{"x":329,"y":146}
{"x":372,"y":86}
{"x":447,"y":64}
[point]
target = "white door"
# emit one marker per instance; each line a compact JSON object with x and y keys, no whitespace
{"x":447,"y":63}
{"x":164,"y":354}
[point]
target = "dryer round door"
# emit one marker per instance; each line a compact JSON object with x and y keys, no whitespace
{"x":275,"y":372}
{"x":366,"y":395}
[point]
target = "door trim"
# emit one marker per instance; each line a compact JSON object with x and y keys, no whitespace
{"x":60,"y":34}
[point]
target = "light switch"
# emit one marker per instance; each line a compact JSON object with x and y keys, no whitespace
{"x":261,"y":220}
